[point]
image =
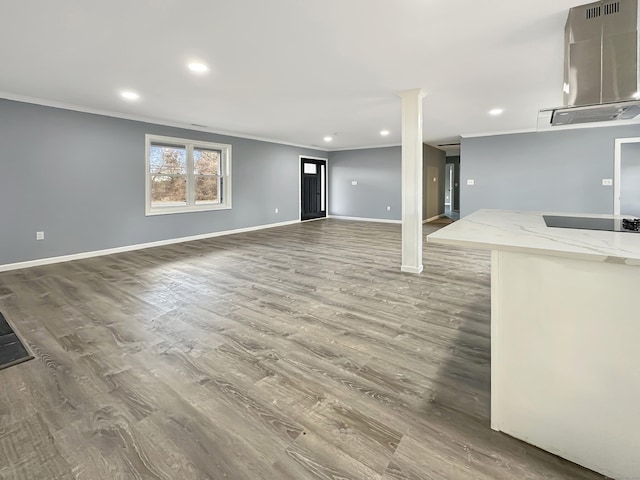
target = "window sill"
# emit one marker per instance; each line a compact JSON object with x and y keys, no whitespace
{"x":150,"y":212}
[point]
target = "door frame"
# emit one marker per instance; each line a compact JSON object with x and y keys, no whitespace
{"x":617,"y":168}
{"x":326,"y":181}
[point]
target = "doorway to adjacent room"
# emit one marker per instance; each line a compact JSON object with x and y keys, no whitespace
{"x":451,"y":192}
{"x":626,"y":196}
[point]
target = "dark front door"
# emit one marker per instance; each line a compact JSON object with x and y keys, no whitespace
{"x":314,"y":188}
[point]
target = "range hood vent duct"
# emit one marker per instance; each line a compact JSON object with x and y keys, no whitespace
{"x":611,"y":8}
{"x":594,"y":12}
{"x":601,"y":80}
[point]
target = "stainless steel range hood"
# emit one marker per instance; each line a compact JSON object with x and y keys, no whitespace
{"x":601,"y":65}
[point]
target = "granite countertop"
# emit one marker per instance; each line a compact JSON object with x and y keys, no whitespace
{"x":520,"y":231}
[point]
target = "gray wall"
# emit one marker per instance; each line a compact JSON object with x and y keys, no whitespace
{"x":559,"y":171}
{"x":432,"y":191}
{"x":80,"y":178}
{"x":378,"y":173}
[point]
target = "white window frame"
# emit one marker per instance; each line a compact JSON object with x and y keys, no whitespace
{"x":189,"y":145}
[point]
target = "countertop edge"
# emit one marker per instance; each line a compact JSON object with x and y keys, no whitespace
{"x":502,"y":236}
{"x":519,"y":249}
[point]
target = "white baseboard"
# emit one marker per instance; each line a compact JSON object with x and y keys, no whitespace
{"x":408,"y":269}
{"x":130,"y":248}
{"x":434,"y":218}
{"x":364,"y":219}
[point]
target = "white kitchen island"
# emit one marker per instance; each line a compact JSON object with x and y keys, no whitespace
{"x":565,"y":335}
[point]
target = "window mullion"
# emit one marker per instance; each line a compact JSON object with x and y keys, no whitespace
{"x":222,"y":176}
{"x":191,"y":181}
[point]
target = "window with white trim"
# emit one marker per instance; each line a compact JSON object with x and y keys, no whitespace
{"x":186,"y":175}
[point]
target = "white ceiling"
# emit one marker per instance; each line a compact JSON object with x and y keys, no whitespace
{"x":292,"y":70}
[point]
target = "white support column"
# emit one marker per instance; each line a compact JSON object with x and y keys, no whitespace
{"x":412,"y":180}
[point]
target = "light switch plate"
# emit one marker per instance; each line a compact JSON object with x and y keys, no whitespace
{"x":39,"y":235}
{"x":607,"y":182}
{"x":471,"y":181}
{"x":354,"y":182}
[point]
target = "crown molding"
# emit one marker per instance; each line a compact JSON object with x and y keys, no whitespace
{"x":614,"y":123}
{"x":364,"y":148}
{"x":140,"y":118}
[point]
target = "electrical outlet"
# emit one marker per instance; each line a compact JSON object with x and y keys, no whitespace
{"x":39,"y":235}
{"x":471,"y":181}
{"x":388,"y":208}
{"x":354,"y":182}
{"x":607,"y":182}
{"x":276,"y":210}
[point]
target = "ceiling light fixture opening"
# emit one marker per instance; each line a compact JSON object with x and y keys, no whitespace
{"x":129,"y":95}
{"x":384,"y":133}
{"x":328,"y":138}
{"x":198,"y":67}
{"x":496,"y":112}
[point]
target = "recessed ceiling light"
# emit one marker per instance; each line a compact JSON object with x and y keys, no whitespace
{"x":129,"y":95}
{"x":384,"y":133}
{"x":198,"y":67}
{"x":328,"y":138}
{"x":496,"y":111}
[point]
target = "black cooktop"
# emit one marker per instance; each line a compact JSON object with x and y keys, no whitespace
{"x":631,"y":225}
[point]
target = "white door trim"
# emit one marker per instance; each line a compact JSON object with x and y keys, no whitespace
{"x":617,"y":167}
{"x":326,"y":198}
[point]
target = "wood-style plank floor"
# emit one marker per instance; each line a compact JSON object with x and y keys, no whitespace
{"x":298,"y":352}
